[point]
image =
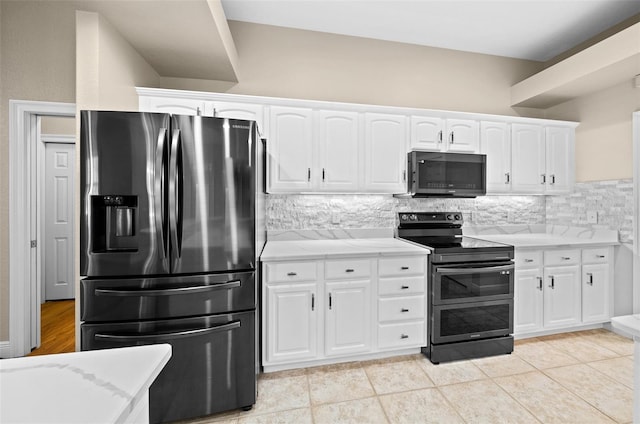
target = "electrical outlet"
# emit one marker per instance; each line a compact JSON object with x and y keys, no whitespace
{"x":592,"y":217}
{"x":335,"y":218}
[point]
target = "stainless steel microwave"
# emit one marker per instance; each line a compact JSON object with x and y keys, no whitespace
{"x":438,"y":174}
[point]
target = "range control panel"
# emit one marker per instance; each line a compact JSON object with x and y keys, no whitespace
{"x":411,"y":218}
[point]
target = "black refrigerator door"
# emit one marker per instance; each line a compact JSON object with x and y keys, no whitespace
{"x":212,"y":366}
{"x":212,"y":194}
{"x":124,"y":225}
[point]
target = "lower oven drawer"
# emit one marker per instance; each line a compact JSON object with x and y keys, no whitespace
{"x":212,"y":366}
{"x":402,"y":335}
{"x":469,"y":321}
{"x":130,"y":299}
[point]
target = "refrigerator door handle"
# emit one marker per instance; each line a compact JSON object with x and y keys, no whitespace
{"x":159,"y":184}
{"x":167,"y":292}
{"x":174,"y":193}
{"x":160,"y":337}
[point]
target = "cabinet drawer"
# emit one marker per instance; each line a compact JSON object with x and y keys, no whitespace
{"x":291,"y":271}
{"x":347,"y":269}
{"x":401,"y":285}
{"x":403,"y":334}
{"x":595,"y":255}
{"x":401,"y":266}
{"x":525,"y":259}
{"x":562,"y":257}
{"x":401,"y":308}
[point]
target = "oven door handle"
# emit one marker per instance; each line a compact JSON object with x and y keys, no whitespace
{"x":483,"y":270}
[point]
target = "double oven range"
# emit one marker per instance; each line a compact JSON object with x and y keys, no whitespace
{"x":470,"y":289}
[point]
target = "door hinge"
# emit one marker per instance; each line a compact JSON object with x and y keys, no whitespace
{"x":34,"y":243}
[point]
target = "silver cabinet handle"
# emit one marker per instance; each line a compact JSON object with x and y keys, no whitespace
{"x":330,"y":303}
{"x":528,"y":260}
{"x":404,"y":310}
{"x":600,"y":256}
{"x":308,"y":174}
{"x":404,"y":268}
{"x":590,"y":275}
{"x":451,"y":136}
{"x":553,"y":178}
{"x":313,"y":301}
{"x":404,"y":336}
{"x":348,"y":270}
{"x":439,"y":136}
{"x":539,"y":283}
{"x":565,"y":258}
{"x":553,"y":285}
{"x":404,"y":175}
{"x":322,"y":174}
{"x":507,"y":178}
{"x":292,"y":274}
{"x":544,"y":179}
{"x":404,"y":287}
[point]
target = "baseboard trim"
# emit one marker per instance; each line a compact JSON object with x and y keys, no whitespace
{"x":5,"y":350}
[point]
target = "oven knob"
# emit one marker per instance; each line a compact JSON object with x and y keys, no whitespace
{"x":449,"y":217}
{"x":413,"y":217}
{"x":458,"y":217}
{"x":403,"y":217}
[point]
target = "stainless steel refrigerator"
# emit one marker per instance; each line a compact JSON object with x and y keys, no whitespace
{"x":171,"y":230}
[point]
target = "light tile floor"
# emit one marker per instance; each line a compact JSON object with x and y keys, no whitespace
{"x":581,"y":377}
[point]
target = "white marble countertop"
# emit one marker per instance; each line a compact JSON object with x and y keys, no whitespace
{"x":325,"y":249}
{"x":629,"y":324}
{"x":99,"y":386}
{"x":530,"y":236}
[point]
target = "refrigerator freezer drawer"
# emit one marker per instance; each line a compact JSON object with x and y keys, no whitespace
{"x":212,"y":367}
{"x":132,"y":299}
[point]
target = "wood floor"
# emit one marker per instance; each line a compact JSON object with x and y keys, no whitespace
{"x":58,"y":328}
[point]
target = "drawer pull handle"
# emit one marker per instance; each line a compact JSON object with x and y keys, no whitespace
{"x":600,"y":256}
{"x":528,"y":260}
{"x":348,"y":270}
{"x":565,"y":258}
{"x":404,"y":287}
{"x":292,"y":274}
{"x":404,"y":310}
{"x":404,"y":336}
{"x":404,"y":268}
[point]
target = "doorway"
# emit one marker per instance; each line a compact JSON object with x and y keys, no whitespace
{"x":25,"y":217}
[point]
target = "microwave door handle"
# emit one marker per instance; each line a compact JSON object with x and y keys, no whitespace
{"x":483,"y":270}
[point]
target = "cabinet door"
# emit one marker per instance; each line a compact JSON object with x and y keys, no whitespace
{"x":462,"y":135}
{"x":385,"y":153}
{"x":348,"y":318}
{"x":427,"y":133}
{"x":562,"y":300}
{"x":495,"y":142}
{"x":247,"y":111}
{"x":528,"y":299}
{"x":290,"y":149}
{"x":291,"y":322}
{"x":337,"y":165}
{"x":528,"y":158}
{"x":595,"y":293}
{"x":559,"y":159}
{"x":176,"y":106}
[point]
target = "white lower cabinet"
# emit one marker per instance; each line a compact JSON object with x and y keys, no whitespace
{"x":561,"y":289}
{"x":317,"y":312}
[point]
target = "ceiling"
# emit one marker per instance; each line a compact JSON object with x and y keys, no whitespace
{"x":526,"y":29}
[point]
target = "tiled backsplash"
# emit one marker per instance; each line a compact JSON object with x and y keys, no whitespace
{"x":288,"y":212}
{"x":612,"y":200}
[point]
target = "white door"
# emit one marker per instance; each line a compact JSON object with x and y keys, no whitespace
{"x":495,"y":142}
{"x":337,"y":150}
{"x":562,"y":300}
{"x":291,"y":322}
{"x":427,"y":133}
{"x":528,"y":159}
{"x":385,"y":154}
{"x":348,"y":317}
{"x":247,"y":111}
{"x":462,"y":135}
{"x":177,"y":106}
{"x":528,"y":300}
{"x":58,"y":217}
{"x":595,"y":293}
{"x":560,"y":160}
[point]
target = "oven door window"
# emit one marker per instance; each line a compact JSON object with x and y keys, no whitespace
{"x":472,"y":321}
{"x":472,"y":283}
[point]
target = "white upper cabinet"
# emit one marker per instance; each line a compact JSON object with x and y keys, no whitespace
{"x":559,"y":159}
{"x":528,"y":158}
{"x":385,"y":153}
{"x":446,"y":135}
{"x":495,"y":142}
{"x":178,"y":106}
{"x":246,"y":111}
{"x":336,"y":168}
{"x":290,"y":149}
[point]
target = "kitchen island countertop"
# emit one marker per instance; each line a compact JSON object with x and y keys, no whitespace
{"x":105,"y":386}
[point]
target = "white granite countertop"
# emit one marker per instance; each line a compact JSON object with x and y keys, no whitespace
{"x":324,"y":249}
{"x":522,"y":236}
{"x":99,"y":386}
